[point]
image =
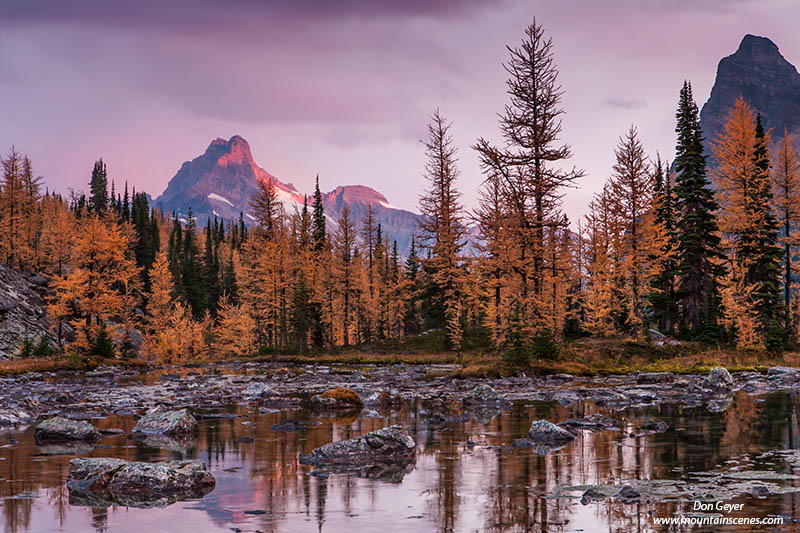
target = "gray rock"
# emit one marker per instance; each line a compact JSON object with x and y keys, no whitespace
{"x":545,"y":437}
{"x":256,"y":391}
{"x":484,"y":394}
{"x":93,"y":480}
{"x":62,"y":429}
{"x":390,"y":444}
{"x":162,"y":421}
{"x":14,"y":418}
{"x":628,"y":494}
{"x":22,"y":313}
{"x":655,"y":377}
{"x":783,"y":371}
{"x":720,"y":379}
{"x":592,"y":495}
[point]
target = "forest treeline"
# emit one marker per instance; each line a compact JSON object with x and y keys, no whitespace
{"x":700,"y":249}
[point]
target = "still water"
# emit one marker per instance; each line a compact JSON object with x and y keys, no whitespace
{"x":465,"y":477}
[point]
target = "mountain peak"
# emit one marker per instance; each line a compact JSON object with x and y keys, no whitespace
{"x":356,"y":194}
{"x":764,"y":78}
{"x":754,"y":45}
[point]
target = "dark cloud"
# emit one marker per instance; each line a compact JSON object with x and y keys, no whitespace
{"x":622,"y":103}
{"x":199,"y":15}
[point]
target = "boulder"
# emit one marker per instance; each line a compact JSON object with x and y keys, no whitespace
{"x":484,"y":394}
{"x":720,"y":379}
{"x":390,"y":444}
{"x":162,"y":421}
{"x":107,"y":480}
{"x":63,"y":429}
{"x":545,"y":437}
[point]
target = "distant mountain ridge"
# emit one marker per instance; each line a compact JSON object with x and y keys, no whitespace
{"x":763,"y":77}
{"x":222,"y":180}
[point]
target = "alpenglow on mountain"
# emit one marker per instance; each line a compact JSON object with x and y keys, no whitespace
{"x":769,"y":83}
{"x":222,"y":181}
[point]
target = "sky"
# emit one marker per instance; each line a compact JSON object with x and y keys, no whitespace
{"x":345,"y":89}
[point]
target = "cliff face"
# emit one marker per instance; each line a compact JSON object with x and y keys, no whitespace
{"x":758,"y":72}
{"x":21,"y":310}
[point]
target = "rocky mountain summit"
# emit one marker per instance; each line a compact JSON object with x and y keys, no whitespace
{"x":758,"y":72}
{"x":222,"y":180}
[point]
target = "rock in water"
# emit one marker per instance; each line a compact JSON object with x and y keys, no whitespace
{"x":390,"y":444}
{"x":161,"y":421}
{"x":255,"y":391}
{"x":62,"y":429}
{"x":340,"y":398}
{"x":784,"y":371}
{"x":628,"y":494}
{"x":484,"y":394}
{"x":719,"y":378}
{"x":99,"y":481}
{"x":544,"y":432}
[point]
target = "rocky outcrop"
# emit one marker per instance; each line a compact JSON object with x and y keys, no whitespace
{"x":22,"y":314}
{"x":63,"y":429}
{"x":102,"y":481}
{"x":177,"y":424}
{"x":390,"y":444}
{"x":758,"y":72}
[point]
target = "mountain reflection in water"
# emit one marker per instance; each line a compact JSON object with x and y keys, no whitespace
{"x":465,"y":476}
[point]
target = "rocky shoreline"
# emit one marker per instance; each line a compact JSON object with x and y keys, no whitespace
{"x":83,"y":396}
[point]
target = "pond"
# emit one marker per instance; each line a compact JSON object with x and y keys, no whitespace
{"x":466,"y":476}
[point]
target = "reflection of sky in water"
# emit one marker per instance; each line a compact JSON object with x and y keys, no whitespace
{"x":452,"y":487}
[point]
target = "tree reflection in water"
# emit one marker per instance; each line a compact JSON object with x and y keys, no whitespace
{"x":452,"y":486}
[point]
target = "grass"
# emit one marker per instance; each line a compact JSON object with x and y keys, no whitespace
{"x":17,"y":366}
{"x":585,"y":356}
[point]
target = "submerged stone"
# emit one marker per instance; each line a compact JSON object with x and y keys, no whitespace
{"x":162,"y":421}
{"x":390,"y":444}
{"x":63,"y":429}
{"x":545,"y":437}
{"x":627,"y":494}
{"x":98,"y":481}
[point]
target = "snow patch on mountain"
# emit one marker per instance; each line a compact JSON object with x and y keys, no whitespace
{"x":215,"y":196}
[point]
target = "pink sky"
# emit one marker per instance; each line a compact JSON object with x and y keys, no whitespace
{"x":344,"y":89}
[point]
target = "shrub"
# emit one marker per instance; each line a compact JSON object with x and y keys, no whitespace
{"x":343,"y":395}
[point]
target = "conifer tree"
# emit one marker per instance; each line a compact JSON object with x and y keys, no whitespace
{"x":442,"y":229}
{"x":318,"y":235}
{"x":750,"y":229}
{"x":786,"y":194}
{"x":98,"y":189}
{"x":663,"y":248}
{"x":531,"y":165}
{"x":697,"y":235}
{"x":343,"y":246}
{"x":631,"y":189}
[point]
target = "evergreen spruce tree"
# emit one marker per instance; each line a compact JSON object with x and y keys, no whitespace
{"x":211,"y":265}
{"x":662,"y":296}
{"x":765,"y":272}
{"x":191,"y":269}
{"x":98,"y":187}
{"x":697,"y":235}
{"x":318,"y":221}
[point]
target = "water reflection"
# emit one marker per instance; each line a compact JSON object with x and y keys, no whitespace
{"x":465,"y":478}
